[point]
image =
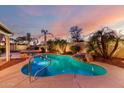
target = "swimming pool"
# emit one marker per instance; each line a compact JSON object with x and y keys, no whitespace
{"x":52,"y":65}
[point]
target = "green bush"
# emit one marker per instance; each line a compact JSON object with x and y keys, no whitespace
{"x":75,"y":48}
{"x":43,"y":49}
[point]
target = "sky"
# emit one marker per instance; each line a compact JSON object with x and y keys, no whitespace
{"x":60,"y":18}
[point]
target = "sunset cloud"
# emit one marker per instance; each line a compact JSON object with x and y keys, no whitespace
{"x":59,"y":19}
{"x":92,"y":19}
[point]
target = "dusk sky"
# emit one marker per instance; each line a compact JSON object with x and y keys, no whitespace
{"x":59,"y":19}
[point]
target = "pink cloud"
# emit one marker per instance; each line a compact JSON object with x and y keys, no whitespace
{"x":100,"y":17}
{"x":91,"y":20}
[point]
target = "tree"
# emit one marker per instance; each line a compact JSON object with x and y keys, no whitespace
{"x":28,"y":37}
{"x":20,"y":40}
{"x":75,"y":33}
{"x":45,"y":33}
{"x":101,"y":41}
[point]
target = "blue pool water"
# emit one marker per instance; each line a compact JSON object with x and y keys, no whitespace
{"x":62,"y":65}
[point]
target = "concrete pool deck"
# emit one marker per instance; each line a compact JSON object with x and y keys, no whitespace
{"x":12,"y":77}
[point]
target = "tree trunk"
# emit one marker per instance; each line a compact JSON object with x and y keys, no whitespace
{"x":115,"y":47}
{"x":92,"y":45}
{"x":45,"y":37}
{"x":103,"y":43}
{"x":101,"y":52}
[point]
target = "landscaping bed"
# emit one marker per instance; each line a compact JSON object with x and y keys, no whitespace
{"x":11,"y":63}
{"x":114,"y":61}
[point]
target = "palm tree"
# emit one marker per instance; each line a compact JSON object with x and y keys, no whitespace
{"x":45,"y":33}
{"x":100,"y":41}
{"x":61,"y":45}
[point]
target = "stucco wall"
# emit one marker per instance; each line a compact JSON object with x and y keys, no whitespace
{"x":21,"y":47}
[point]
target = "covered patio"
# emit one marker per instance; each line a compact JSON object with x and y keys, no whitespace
{"x":6,"y":32}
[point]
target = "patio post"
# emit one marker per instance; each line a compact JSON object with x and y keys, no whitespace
{"x":7,"y":48}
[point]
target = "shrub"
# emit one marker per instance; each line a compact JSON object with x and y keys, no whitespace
{"x":75,"y":48}
{"x":36,"y":48}
{"x":43,"y":50}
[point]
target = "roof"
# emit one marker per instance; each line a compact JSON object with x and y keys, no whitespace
{"x":4,"y":29}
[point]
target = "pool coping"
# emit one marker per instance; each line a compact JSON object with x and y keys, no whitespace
{"x":110,"y":80}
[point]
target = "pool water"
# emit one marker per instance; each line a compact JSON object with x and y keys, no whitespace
{"x":62,"y":64}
